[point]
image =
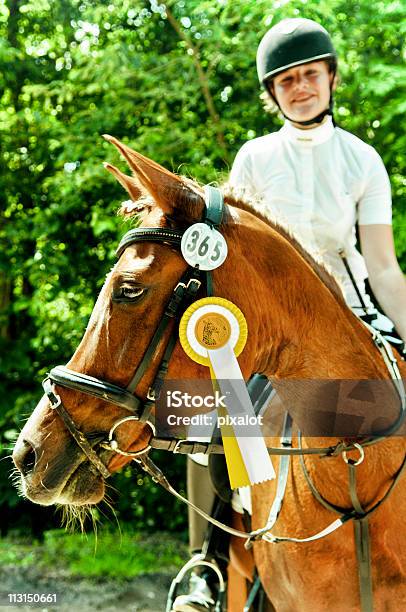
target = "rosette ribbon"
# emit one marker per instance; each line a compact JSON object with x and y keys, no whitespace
{"x":213,"y":332}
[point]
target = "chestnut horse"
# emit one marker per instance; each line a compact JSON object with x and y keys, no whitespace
{"x":299,"y":327}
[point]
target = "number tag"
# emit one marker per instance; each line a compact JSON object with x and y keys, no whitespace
{"x":203,"y":246}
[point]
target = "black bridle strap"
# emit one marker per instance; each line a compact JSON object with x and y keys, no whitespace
{"x":190,"y":287}
{"x":149,"y":234}
{"x":184,"y":291}
{"x":77,"y":435}
{"x":63,"y":376}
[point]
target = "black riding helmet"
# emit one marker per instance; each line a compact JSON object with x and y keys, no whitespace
{"x":290,"y":43}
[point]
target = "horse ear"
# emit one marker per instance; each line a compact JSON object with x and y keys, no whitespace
{"x":128,"y":182}
{"x":173,"y":194}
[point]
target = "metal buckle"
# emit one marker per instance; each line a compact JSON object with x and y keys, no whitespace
{"x":195,"y":281}
{"x":151,"y":394}
{"x":112,"y":443}
{"x":178,"y":445}
{"x":190,"y":281}
{"x":360,"y":458}
{"x":52,"y":395}
{"x":55,"y":405}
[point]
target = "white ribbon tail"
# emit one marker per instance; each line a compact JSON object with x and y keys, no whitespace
{"x":243,"y":419}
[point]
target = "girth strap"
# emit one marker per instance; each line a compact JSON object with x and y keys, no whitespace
{"x":362,"y":544}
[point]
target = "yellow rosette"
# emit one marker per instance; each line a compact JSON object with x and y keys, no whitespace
{"x":213,"y":332}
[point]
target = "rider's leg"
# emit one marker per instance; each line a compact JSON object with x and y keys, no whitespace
{"x":203,"y":581}
{"x":200,"y":493}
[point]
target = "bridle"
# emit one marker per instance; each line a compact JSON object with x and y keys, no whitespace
{"x":140,"y":409}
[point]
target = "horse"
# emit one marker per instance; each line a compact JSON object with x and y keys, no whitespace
{"x":299,"y":328}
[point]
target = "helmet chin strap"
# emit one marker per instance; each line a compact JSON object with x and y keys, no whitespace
{"x":318,"y":119}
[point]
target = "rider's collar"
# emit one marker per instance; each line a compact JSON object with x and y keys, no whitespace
{"x":310,"y":137}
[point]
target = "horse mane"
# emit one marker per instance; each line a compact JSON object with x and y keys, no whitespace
{"x":232,"y":197}
{"x":257,"y":208}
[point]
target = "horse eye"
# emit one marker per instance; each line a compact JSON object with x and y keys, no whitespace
{"x":128,"y":293}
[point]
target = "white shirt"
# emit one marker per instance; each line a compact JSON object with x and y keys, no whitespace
{"x":320,"y":182}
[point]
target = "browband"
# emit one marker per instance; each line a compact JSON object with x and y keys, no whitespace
{"x":213,"y":216}
{"x":149,"y":234}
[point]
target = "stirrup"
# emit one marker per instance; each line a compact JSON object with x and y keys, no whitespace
{"x":196,"y":561}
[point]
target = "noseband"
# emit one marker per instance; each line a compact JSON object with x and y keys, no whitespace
{"x":140,"y":409}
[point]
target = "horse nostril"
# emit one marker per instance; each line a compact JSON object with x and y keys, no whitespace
{"x":25,"y":458}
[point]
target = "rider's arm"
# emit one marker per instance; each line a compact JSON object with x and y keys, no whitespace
{"x":377,"y":245}
{"x":385,"y":276}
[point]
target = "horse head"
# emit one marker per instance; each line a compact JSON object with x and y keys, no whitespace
{"x":49,"y":454}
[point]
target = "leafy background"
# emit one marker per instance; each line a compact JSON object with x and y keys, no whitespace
{"x":178,"y":82}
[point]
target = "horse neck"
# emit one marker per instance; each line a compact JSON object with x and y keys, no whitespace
{"x":303,"y":330}
{"x":300,"y":327}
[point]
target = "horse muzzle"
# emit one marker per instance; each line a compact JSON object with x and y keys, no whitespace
{"x":51,"y":480}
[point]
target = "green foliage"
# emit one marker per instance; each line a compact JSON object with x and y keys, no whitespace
{"x":103,"y":555}
{"x":112,"y":554}
{"x":17,"y":555}
{"x":176,"y":81}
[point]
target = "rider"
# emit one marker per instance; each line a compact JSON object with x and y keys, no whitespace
{"x":319,"y":178}
{"x":322,"y":181}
